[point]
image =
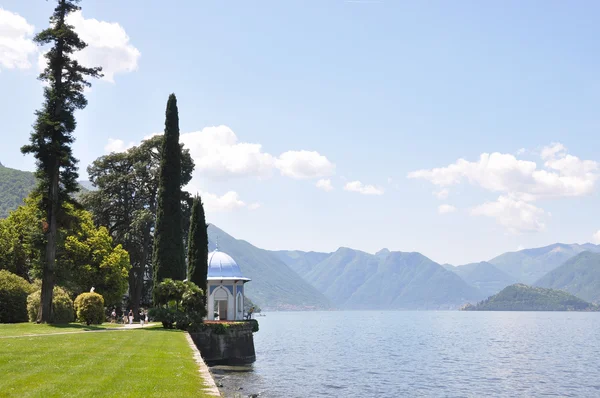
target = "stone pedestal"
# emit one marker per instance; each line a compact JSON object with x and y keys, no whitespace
{"x":226,"y":343}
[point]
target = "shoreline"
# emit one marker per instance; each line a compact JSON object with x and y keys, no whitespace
{"x":210,"y":387}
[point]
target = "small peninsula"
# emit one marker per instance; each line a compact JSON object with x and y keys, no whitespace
{"x":520,"y":297}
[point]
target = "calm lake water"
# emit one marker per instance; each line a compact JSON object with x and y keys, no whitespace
{"x":433,"y":354}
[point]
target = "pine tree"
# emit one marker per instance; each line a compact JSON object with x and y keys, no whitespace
{"x":198,"y":246}
{"x":52,"y":135}
{"x":168,"y":259}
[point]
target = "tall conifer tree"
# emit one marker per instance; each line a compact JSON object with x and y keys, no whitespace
{"x":168,"y":259}
{"x":52,"y":135}
{"x":198,"y":246}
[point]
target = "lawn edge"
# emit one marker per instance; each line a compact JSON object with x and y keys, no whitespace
{"x":210,"y":387}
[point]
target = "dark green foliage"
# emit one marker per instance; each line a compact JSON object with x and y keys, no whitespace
{"x":579,"y":276}
{"x":90,"y":308}
{"x":63,"y":310}
{"x":15,"y":185}
{"x":198,"y":245}
{"x":52,"y":135}
{"x":168,"y":259}
{"x":178,"y":303}
{"x":520,"y":297}
{"x":13,"y":297}
{"x":125,"y":201}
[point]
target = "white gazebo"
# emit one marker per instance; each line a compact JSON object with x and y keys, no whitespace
{"x":225,"y":288}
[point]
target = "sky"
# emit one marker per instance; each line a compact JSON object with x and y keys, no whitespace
{"x":460,"y":130}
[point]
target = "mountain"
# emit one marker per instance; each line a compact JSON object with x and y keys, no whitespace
{"x":15,"y":185}
{"x":388,"y":280}
{"x":484,"y":276}
{"x":520,"y":297}
{"x":579,"y":276}
{"x":301,"y":262}
{"x":274,"y":285}
{"x":529,"y":265}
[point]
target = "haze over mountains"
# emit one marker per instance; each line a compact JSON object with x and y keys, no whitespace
{"x":352,"y":279}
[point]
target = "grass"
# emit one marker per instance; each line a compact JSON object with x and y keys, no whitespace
{"x":143,"y":362}
{"x":20,"y":329}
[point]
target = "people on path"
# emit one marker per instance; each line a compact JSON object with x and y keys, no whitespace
{"x":142,"y":318}
{"x":113,"y":316}
{"x":131,"y":317}
{"x":146,"y":316}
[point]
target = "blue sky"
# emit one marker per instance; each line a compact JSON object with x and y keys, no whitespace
{"x":275,"y":96}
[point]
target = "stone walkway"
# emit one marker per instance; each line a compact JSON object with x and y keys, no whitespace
{"x":121,"y":328}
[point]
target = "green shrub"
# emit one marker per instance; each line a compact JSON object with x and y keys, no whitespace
{"x":62,"y":306}
{"x":90,"y":308}
{"x":13,"y":297}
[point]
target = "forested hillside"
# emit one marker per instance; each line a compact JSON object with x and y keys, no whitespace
{"x":15,"y":185}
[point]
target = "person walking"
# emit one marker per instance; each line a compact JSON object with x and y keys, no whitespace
{"x":131,"y":317}
{"x":146,"y":316}
{"x":113,"y":316}
{"x":142,"y":317}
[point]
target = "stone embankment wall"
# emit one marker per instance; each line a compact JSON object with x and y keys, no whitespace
{"x":226,"y":343}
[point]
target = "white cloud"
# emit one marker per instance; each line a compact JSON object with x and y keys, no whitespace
{"x":520,"y":181}
{"x":16,"y":45}
{"x":520,"y":247}
{"x":325,"y":185}
{"x":218,"y":154}
{"x":521,"y":151}
{"x":254,"y":206}
{"x":304,"y":164}
{"x":445,"y":209}
{"x":108,"y":46}
{"x":516,"y":215}
{"x":227,"y":202}
{"x":442,"y":194}
{"x":596,"y":237}
{"x":117,"y":145}
{"x":357,"y":186}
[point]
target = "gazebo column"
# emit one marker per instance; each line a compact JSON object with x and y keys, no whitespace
{"x":211,"y":307}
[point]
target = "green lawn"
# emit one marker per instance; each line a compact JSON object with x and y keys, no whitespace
{"x":20,"y":329}
{"x":132,"y":363}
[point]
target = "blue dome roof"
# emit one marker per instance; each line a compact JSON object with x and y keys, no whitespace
{"x":222,"y":266}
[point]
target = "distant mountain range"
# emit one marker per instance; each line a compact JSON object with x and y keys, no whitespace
{"x":352,"y":279}
{"x":579,"y":276}
{"x":529,"y":265}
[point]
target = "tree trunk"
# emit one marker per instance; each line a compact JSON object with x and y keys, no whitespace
{"x":45,"y":314}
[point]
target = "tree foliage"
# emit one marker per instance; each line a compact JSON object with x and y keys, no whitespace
{"x":168,"y":258}
{"x":90,"y":308}
{"x":52,"y":135}
{"x":125,"y":202}
{"x":198,"y":245}
{"x":86,"y":255}
{"x":13,"y":297}
{"x":62,"y":306}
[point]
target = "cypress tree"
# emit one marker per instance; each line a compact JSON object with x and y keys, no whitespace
{"x":198,"y":245}
{"x":168,"y":258}
{"x":52,"y":135}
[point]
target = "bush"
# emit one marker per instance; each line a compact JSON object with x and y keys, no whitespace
{"x":90,"y":308}
{"x":13,"y":296}
{"x":62,"y":306}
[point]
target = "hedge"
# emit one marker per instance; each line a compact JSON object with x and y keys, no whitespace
{"x":13,"y":297}
{"x":62,"y":306}
{"x":90,"y":308}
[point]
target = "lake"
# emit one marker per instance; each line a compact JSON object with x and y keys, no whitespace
{"x":428,"y":353}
